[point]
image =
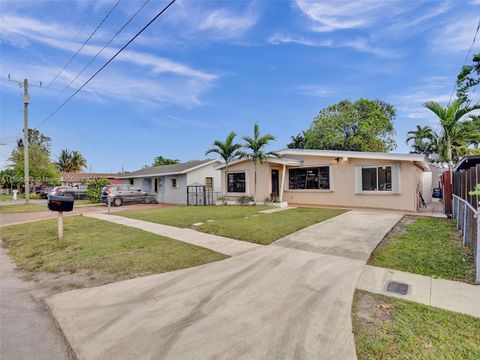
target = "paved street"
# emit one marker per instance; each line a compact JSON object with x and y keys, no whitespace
{"x":26,"y":330}
{"x":271,"y":303}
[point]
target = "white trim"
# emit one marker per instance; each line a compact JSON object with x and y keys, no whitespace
{"x":379,"y":192}
{"x":353,"y":154}
{"x":127,"y":176}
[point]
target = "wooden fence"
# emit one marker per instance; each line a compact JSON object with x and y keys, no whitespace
{"x":464,"y":181}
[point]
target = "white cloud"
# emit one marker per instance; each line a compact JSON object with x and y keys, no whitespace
{"x":328,"y":16}
{"x":457,"y":35}
{"x":227,"y":24}
{"x":359,"y":44}
{"x":314,"y":90}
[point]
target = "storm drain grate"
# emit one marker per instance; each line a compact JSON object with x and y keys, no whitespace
{"x":397,"y":288}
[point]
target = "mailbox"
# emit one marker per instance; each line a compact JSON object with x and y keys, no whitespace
{"x":60,"y":203}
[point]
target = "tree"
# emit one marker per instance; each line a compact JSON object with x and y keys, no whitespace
{"x":94,"y":189}
{"x":365,"y":125}
{"x":35,"y":137}
{"x":71,"y":161}
{"x":8,"y":178}
{"x":468,"y":78}
{"x":160,"y":160}
{"x":41,"y":168}
{"x":422,"y":140}
{"x":256,"y":147}
{"x":298,"y":141}
{"x":453,"y":134}
{"x":228,"y":149}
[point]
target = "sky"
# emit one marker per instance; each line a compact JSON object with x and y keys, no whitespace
{"x":206,"y":68}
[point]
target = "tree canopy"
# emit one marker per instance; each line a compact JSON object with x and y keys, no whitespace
{"x":160,"y":160}
{"x":228,"y":150}
{"x":71,"y":161}
{"x":468,"y":78}
{"x":365,"y":125}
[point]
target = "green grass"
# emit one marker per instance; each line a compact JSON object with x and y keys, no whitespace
{"x":429,"y":246}
{"x":186,"y":216}
{"x":389,"y":329}
{"x":86,"y":202}
{"x":6,"y":197}
{"x":237,"y":222}
{"x":21,"y":208}
{"x":91,"y":244}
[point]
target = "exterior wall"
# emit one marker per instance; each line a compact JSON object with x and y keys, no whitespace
{"x":342,"y":191}
{"x":175,"y":195}
{"x":199,"y":175}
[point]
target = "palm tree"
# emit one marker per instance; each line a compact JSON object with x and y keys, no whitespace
{"x":228,"y":150}
{"x":450,"y":121}
{"x":256,"y":145}
{"x":422,"y":140}
{"x":71,"y":161}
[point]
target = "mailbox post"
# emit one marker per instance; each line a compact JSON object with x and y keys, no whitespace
{"x":60,"y":204}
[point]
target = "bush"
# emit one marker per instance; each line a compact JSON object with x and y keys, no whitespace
{"x":245,"y":199}
{"x":94,"y":189}
{"x":33,"y":196}
{"x":273,"y":198}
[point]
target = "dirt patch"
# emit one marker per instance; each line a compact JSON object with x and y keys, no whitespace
{"x":370,"y":311}
{"x":47,"y":284}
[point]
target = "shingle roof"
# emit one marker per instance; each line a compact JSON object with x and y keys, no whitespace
{"x":83,"y":176}
{"x":174,"y":169}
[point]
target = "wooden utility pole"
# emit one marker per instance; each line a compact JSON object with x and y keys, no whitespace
{"x":26,"y":100}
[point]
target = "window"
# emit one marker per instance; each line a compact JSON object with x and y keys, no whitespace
{"x":131,"y":181}
{"x":174,"y":183}
{"x":209,"y":182}
{"x":236,"y":182}
{"x":377,"y":178}
{"x":310,"y":178}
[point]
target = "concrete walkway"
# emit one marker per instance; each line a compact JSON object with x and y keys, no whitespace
{"x":216,"y":243}
{"x":354,"y":234}
{"x":272,"y":302}
{"x":449,"y":295}
{"x":27,"y":331}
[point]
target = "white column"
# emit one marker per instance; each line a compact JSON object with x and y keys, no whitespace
{"x":282,"y":184}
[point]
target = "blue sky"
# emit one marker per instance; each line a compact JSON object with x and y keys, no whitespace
{"x":209,"y":67}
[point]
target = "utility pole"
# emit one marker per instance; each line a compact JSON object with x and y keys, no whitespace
{"x":26,"y":100}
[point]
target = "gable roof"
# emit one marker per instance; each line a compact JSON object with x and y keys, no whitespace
{"x":175,"y":169}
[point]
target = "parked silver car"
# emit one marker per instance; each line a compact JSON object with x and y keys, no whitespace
{"x":76,"y":192}
{"x":124,"y":193}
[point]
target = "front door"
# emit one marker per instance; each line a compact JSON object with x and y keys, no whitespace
{"x":275,"y":186}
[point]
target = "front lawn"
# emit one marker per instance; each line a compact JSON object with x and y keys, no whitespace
{"x":426,"y":246}
{"x":21,"y":208}
{"x":186,"y":216}
{"x":92,"y":244}
{"x":389,"y":328}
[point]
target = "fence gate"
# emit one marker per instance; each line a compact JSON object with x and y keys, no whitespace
{"x":199,"y":195}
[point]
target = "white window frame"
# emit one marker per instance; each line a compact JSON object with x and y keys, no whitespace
{"x":395,"y":170}
{"x":176,"y":183}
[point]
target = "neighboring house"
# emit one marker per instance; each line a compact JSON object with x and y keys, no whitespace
{"x":332,"y":178}
{"x":170,"y":181}
{"x":79,"y":178}
{"x":466,"y":176}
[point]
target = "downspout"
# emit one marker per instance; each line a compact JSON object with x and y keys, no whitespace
{"x":282,"y":183}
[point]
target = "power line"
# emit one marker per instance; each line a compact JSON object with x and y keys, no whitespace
{"x":104,"y":65}
{"x":466,"y":59}
{"x":84,"y":43}
{"x":107,"y":44}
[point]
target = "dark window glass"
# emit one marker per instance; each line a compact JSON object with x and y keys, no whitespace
{"x":377,"y":179}
{"x":236,"y":182}
{"x":369,"y":179}
{"x":309,"y":178}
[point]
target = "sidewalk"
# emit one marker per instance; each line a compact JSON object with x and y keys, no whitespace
{"x":216,"y":243}
{"x":444,"y":294}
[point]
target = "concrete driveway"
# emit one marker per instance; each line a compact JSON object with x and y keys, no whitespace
{"x":276,"y":302}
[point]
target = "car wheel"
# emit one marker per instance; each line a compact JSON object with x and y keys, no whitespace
{"x":117,"y":202}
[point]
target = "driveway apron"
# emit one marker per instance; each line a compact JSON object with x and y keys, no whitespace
{"x":275,"y":302}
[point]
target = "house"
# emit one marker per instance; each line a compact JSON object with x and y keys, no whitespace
{"x":79,"y":178}
{"x":347,"y":179}
{"x":170,"y":181}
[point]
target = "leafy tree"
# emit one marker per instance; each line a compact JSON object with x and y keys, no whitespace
{"x":35,"y":137}
{"x":41,"y":168}
{"x":453,"y":135}
{"x":160,"y":160}
{"x":71,"y":161}
{"x":94,"y":189}
{"x":256,"y":147}
{"x":365,"y":125}
{"x":8,"y":178}
{"x":228,"y":149}
{"x":298,"y":141}
{"x":422,"y":140}
{"x":468,"y":78}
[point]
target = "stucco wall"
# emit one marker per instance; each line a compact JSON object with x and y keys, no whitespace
{"x":342,"y":184}
{"x":199,"y":175}
{"x":178,"y":195}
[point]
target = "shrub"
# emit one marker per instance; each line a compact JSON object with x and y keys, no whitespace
{"x":273,"y":198}
{"x":245,"y":199}
{"x":222,"y":198}
{"x":33,"y":196}
{"x":94,"y":189}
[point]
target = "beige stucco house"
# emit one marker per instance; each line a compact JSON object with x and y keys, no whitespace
{"x":347,"y":179}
